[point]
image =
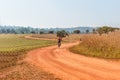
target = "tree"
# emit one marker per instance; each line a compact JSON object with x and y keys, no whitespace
{"x":87,"y":31}
{"x":33,"y":32}
{"x":99,"y":31}
{"x":62,"y":33}
{"x":112,"y":29}
{"x":51,"y":32}
{"x":41,"y":32}
{"x":94,"y":31}
{"x":76,"y":31}
{"x":105,"y":30}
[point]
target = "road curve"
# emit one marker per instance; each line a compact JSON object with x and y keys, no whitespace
{"x":69,"y":66}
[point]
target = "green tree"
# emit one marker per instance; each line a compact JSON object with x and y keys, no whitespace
{"x":32,"y":32}
{"x":62,"y":33}
{"x":94,"y":31}
{"x":87,"y":31}
{"x":42,"y":31}
{"x":76,"y":31}
{"x":51,"y":32}
{"x":105,"y":30}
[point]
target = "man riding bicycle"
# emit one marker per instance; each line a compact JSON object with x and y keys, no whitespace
{"x":59,"y":42}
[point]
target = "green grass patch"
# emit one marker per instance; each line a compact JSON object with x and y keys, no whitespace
{"x":13,"y":48}
{"x":13,"y":43}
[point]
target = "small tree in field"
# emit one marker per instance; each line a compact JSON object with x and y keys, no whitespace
{"x":51,"y":32}
{"x":105,"y":30}
{"x":76,"y":31}
{"x":62,"y":34}
{"x":32,"y":32}
{"x":87,"y":31}
{"x":94,"y":31}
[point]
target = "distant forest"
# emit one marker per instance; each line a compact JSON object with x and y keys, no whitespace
{"x":76,"y":30}
{"x":30,"y":30}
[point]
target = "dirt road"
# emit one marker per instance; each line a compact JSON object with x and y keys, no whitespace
{"x":69,"y":66}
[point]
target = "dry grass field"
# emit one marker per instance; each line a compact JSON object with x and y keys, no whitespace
{"x":26,"y":71}
{"x":104,"y":46}
{"x":70,"y":38}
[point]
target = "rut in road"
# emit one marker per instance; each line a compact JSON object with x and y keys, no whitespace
{"x":69,"y":66}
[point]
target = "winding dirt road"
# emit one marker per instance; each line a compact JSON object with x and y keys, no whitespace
{"x":69,"y":66}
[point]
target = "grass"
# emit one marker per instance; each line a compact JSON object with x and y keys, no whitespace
{"x":105,"y":46}
{"x":28,"y":71}
{"x":13,"y":48}
{"x":13,"y":43}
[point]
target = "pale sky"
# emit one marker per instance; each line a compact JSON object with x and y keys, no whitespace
{"x":60,"y":13}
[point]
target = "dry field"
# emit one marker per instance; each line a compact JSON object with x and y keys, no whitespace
{"x":105,"y":46}
{"x":26,"y":71}
{"x":70,"y":38}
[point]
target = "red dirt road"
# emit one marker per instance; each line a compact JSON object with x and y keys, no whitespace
{"x":69,"y":66}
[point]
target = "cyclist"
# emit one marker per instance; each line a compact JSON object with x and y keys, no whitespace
{"x":59,"y":42}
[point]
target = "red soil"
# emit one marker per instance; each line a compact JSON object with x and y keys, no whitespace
{"x":69,"y":66}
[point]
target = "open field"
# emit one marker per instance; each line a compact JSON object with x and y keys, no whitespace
{"x":26,"y":71}
{"x":14,"y":43}
{"x":105,"y":46}
{"x":70,"y":38}
{"x":53,"y":63}
{"x":13,"y":49}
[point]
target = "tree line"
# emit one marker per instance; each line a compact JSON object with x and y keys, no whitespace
{"x":30,"y":30}
{"x":21,"y":30}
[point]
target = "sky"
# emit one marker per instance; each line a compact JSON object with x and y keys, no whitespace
{"x":60,"y":13}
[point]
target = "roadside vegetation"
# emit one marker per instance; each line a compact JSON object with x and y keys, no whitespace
{"x":103,"y":43}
